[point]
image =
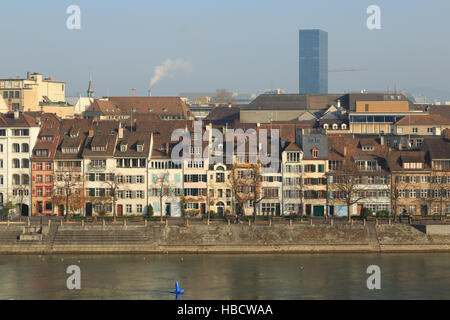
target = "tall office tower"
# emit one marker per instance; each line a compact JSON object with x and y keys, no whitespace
{"x":313,"y":61}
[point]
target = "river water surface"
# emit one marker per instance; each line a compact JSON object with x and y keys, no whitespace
{"x":238,"y":276}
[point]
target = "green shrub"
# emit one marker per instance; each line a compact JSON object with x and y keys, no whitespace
{"x":150,"y":211}
{"x":383,"y":214}
{"x":366,"y":212}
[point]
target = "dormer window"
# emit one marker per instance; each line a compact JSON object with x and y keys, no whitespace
{"x":412,"y":165}
{"x":293,"y":156}
{"x":343,"y":126}
{"x":315,"y":153}
{"x":335,"y":126}
{"x":367,"y":148}
{"x":150,"y":109}
{"x":325,"y":126}
{"x":123,"y":147}
{"x":98,"y":148}
{"x":133,"y":109}
{"x":165,"y":109}
{"x":140,"y":147}
{"x":72,"y":150}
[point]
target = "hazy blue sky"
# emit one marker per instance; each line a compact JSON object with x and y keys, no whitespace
{"x":242,"y":45}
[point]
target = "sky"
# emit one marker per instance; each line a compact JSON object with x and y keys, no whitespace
{"x":244,"y":46}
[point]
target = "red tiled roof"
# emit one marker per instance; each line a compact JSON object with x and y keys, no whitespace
{"x":423,"y":119}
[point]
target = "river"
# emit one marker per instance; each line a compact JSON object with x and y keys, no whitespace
{"x":238,"y":276}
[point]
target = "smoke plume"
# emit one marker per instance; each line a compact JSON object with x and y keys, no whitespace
{"x":168,"y":66}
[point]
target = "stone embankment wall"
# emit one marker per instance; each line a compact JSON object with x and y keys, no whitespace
{"x":220,"y":238}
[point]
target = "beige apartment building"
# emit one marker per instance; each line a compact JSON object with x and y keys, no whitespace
{"x":424,"y":124}
{"x":26,"y":94}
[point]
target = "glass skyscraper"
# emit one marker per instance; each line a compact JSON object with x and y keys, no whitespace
{"x":313,"y":61}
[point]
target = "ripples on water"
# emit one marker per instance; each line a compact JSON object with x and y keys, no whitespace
{"x":246,"y":276}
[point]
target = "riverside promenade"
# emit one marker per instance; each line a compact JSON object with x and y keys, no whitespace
{"x":56,"y":235}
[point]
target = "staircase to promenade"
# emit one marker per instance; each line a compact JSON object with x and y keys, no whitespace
{"x":76,"y":239}
{"x":372,"y":235}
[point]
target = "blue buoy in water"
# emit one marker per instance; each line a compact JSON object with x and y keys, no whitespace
{"x":177,"y":289}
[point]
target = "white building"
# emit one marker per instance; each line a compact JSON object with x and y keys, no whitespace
{"x":18,"y":134}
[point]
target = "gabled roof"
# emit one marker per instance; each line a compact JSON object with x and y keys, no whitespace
{"x":223,"y":114}
{"x":438,"y":149}
{"x":423,"y":120}
{"x":292,"y":147}
{"x":132,"y":140}
{"x":24,"y":120}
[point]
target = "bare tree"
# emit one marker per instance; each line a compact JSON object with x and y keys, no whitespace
{"x":69,"y":188}
{"x":439,"y":185}
{"x":346,"y":185}
{"x":163,"y":189}
{"x":246,"y":186}
{"x":113,"y":186}
{"x":394,"y":194}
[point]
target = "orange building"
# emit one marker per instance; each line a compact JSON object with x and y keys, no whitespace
{"x":42,"y":165}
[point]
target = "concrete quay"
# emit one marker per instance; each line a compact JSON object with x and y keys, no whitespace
{"x":218,"y":237}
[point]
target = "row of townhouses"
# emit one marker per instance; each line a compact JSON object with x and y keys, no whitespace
{"x":50,"y":166}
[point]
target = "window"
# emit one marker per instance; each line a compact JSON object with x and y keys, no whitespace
{"x":139,"y":179}
{"x":39,"y":178}
{"x":128,"y":208}
{"x":423,"y":193}
{"x":16,"y":147}
{"x":415,"y":130}
{"x":220,"y":177}
{"x":25,"y":163}
{"x":16,"y":163}
{"x":48,"y":178}
{"x":41,"y":153}
{"x":25,"y":147}
{"x":315,"y":153}
{"x":139,"y":208}
{"x":430,"y":130}
{"x":98,"y":163}
{"x":140,"y":194}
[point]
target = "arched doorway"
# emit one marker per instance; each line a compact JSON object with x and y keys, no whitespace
{"x":23,"y":209}
{"x":220,"y":208}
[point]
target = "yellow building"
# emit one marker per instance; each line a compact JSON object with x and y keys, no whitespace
{"x":26,"y":94}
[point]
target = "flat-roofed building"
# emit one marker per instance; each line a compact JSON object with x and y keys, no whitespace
{"x":25,"y":94}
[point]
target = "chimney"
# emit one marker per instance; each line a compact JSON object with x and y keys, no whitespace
{"x":345,"y":151}
{"x":91,"y":132}
{"x":10,"y":105}
{"x":16,"y":114}
{"x":167,"y":148}
{"x":382,"y":140}
{"x":133,"y":92}
{"x":400,"y":146}
{"x":120,"y":132}
{"x":339,"y":103}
